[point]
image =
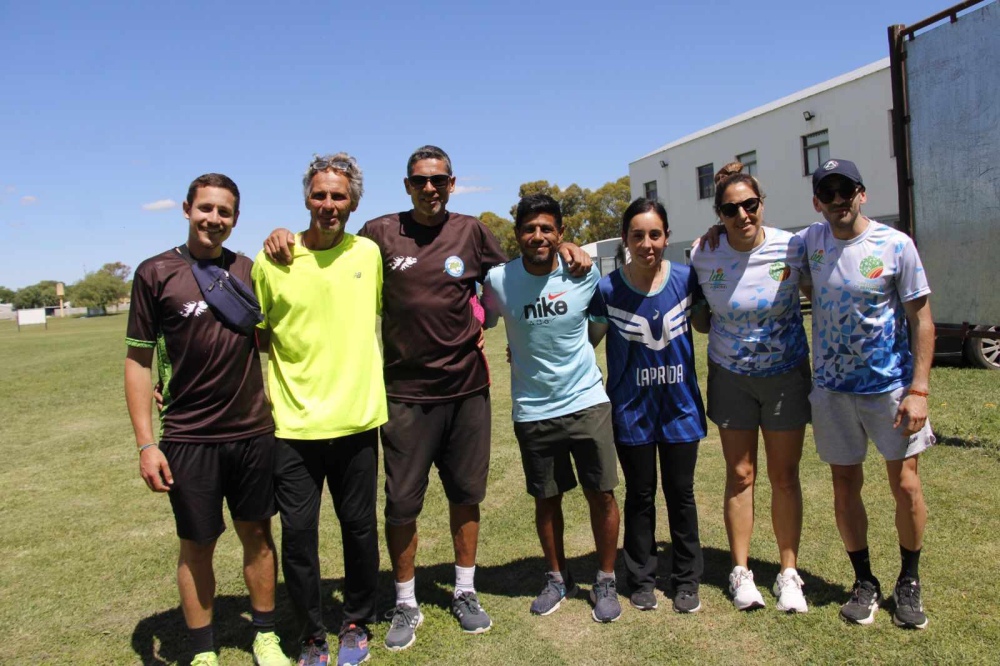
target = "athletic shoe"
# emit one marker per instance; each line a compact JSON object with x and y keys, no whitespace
{"x":267,"y":650}
{"x":865,"y":597}
{"x":205,"y":659}
{"x":403,"y":627}
{"x":788,"y":589}
{"x":687,"y":601}
{"x":604,"y":596}
{"x":314,"y":653}
{"x":471,"y":616}
{"x":552,"y":595}
{"x":745,"y":594}
{"x":353,"y":645}
{"x":909,"y":612}
{"x":643,"y":599}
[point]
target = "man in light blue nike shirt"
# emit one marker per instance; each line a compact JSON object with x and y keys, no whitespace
{"x":560,"y":408}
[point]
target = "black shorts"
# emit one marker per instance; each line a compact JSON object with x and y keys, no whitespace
{"x":454,"y":436}
{"x":242,"y":472}
{"x":546,"y":447}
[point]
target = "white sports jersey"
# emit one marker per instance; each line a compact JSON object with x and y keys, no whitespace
{"x":860,"y":338}
{"x":756,"y":321}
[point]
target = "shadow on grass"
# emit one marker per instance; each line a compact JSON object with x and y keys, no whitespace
{"x":162,"y":638}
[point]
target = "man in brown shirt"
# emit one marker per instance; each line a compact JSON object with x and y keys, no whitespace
{"x":217,"y":436}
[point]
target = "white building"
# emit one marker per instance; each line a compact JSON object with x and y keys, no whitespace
{"x":781,"y":143}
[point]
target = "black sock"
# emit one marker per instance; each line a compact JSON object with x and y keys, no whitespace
{"x":263,"y":621}
{"x":862,"y":565}
{"x":202,"y":639}
{"x":911,"y":564}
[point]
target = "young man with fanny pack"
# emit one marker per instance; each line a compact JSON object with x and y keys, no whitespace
{"x":217,"y":436}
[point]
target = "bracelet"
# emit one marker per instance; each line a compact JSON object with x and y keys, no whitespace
{"x":922,"y":394}
{"x":145,"y":446}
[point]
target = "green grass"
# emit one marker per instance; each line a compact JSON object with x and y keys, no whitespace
{"x":88,"y":552}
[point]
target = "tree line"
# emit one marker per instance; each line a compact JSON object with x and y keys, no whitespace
{"x":588,"y":215}
{"x":105,"y":286}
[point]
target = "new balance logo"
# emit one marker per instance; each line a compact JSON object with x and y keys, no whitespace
{"x":401,"y":263}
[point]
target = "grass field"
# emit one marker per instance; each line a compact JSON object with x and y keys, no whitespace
{"x":87,"y":552}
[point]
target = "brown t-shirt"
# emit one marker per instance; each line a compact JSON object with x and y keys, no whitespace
{"x":213,"y":387}
{"x":429,"y":333}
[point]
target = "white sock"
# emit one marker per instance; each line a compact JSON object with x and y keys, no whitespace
{"x":605,"y":575}
{"x":406,"y":593}
{"x":464,"y":579}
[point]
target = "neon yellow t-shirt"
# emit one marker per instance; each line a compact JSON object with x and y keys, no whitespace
{"x":324,"y":366}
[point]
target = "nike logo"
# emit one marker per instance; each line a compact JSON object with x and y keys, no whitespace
{"x":553,"y":297}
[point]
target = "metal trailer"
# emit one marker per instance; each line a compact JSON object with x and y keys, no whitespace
{"x":946,"y":136}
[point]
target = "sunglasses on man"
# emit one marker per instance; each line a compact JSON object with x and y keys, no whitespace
{"x":827,"y":192}
{"x":732,"y":209}
{"x":438,"y":180}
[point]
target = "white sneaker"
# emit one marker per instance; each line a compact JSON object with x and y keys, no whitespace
{"x":745,"y":594}
{"x":788,"y":589}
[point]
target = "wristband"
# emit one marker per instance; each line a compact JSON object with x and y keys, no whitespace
{"x":145,"y":446}
{"x":922,"y":394}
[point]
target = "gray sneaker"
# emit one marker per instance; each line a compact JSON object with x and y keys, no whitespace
{"x":604,"y":596}
{"x":552,"y":595}
{"x":403,"y":627}
{"x":471,"y":616}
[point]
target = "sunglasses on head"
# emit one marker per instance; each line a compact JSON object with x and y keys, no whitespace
{"x":438,"y":180}
{"x":732,"y":209}
{"x":827,"y":192}
{"x":323,"y":165}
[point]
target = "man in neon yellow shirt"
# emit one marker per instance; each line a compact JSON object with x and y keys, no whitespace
{"x":328,"y":400}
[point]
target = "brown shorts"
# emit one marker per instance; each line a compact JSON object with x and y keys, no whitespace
{"x":775,"y":402}
{"x":453,"y":436}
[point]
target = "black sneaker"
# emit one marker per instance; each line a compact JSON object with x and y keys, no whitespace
{"x":687,"y":601}
{"x":604,"y":596}
{"x":864,"y":601}
{"x":643,"y":599}
{"x":552,"y":595}
{"x":909,"y":612}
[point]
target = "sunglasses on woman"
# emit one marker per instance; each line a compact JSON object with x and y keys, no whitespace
{"x":732,"y":209}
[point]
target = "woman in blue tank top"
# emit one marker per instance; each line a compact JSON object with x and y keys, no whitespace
{"x":644,"y":308}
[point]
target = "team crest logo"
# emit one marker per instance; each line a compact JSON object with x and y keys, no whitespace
{"x":779,"y":271}
{"x":831,"y":164}
{"x":717,"y":280}
{"x":817,"y":258}
{"x":871,"y":267}
{"x":454,"y":266}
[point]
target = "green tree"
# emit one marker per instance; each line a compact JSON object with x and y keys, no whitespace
{"x":6,"y":295}
{"x":588,"y":215}
{"x":503,"y":229}
{"x":101,"y":288}
{"x":36,"y":295}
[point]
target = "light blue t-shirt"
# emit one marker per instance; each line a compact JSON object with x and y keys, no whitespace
{"x":860,"y":338}
{"x":553,"y":369}
{"x":756,"y":320}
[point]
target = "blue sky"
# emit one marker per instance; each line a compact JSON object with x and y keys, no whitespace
{"x":110,"y":109}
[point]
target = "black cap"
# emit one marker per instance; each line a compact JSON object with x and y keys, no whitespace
{"x":837,"y":167}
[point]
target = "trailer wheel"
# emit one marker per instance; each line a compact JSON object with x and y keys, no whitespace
{"x":984,"y":352}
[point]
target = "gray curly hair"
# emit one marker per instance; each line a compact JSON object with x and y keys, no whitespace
{"x":341,"y":163}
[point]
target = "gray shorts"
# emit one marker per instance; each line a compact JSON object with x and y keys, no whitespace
{"x":743,"y":402}
{"x":844,"y":422}
{"x":546,"y":447}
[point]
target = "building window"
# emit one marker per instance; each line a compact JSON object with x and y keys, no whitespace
{"x":650,"y":189}
{"x":815,"y":150}
{"x":749,"y":162}
{"x":706,"y":182}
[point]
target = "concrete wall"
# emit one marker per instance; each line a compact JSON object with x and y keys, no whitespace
{"x":854,"y":108}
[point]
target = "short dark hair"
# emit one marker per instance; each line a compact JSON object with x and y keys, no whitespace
{"x":537,"y":204}
{"x":427,"y":153}
{"x":731,"y":174}
{"x":640,"y":206}
{"x":213,"y":180}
